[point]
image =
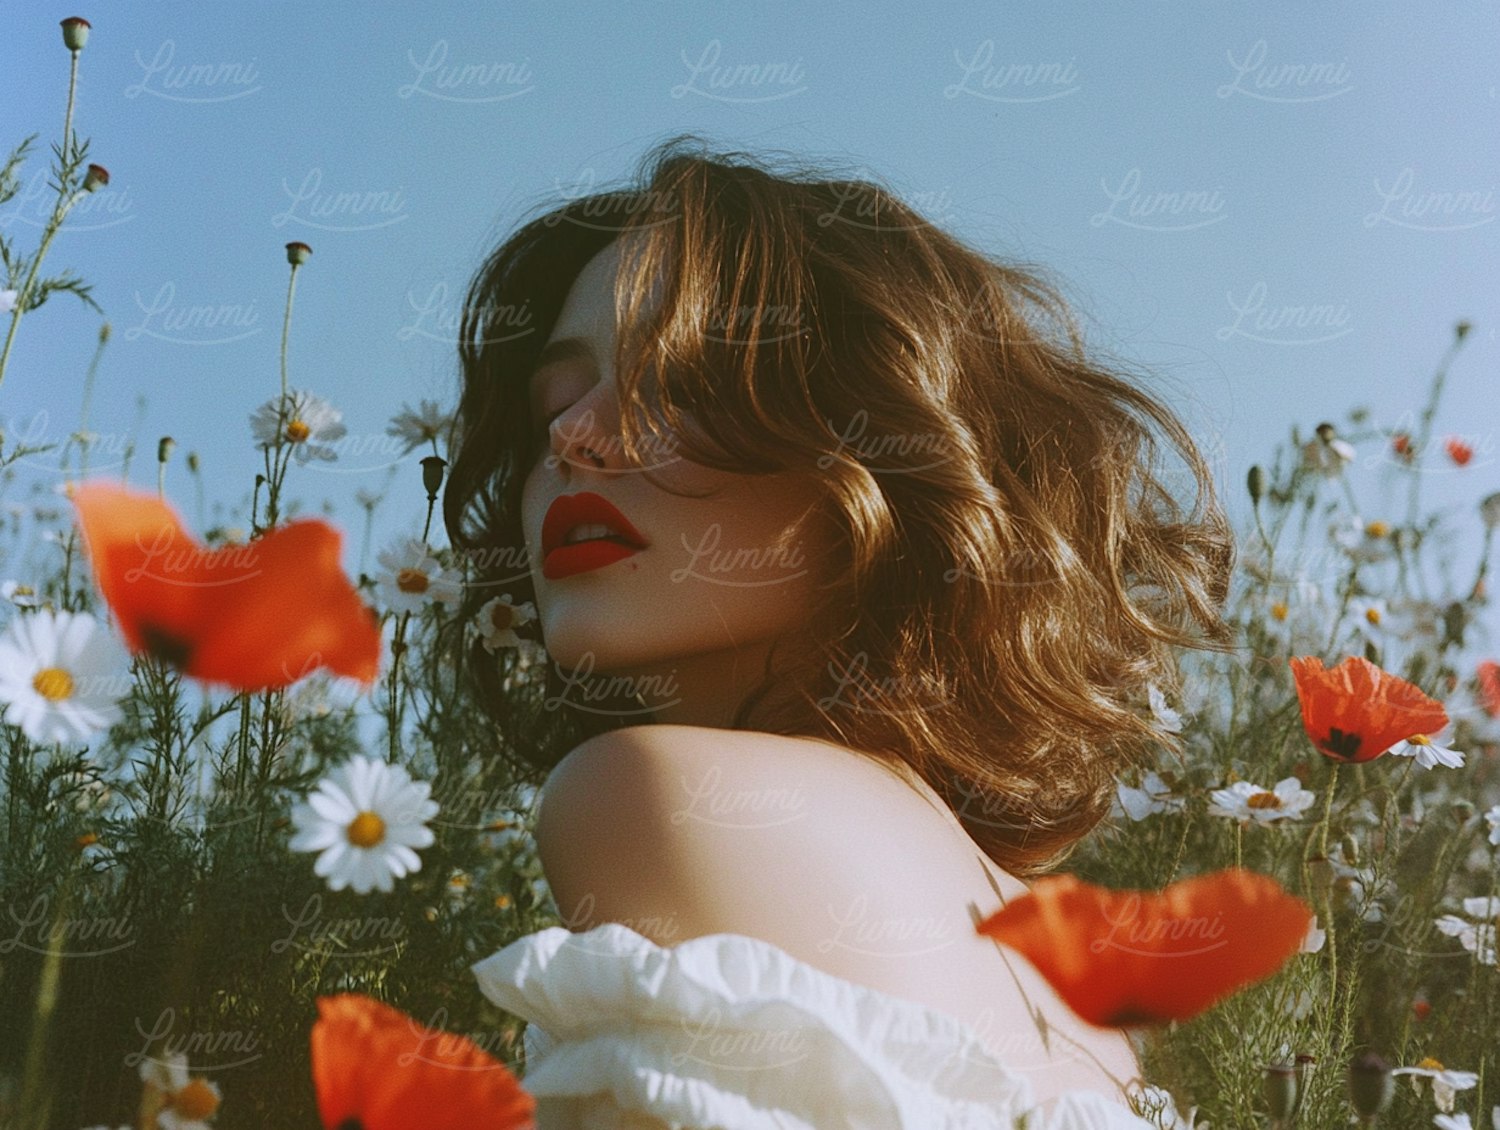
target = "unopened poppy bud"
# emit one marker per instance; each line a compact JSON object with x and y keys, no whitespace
{"x":297,"y":253}
{"x":1370,"y":1085}
{"x":1326,"y":432}
{"x":1281,"y":1090}
{"x":1359,"y":414}
{"x":1489,"y":510}
{"x":164,"y":449}
{"x":96,"y":177}
{"x":1460,"y":330}
{"x":75,"y":31}
{"x":1350,"y":849}
{"x":192,"y":462}
{"x":1257,"y":483}
{"x":104,"y":333}
{"x":432,"y":474}
{"x":1463,"y":810}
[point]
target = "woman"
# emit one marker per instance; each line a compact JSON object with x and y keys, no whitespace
{"x":853,"y":570}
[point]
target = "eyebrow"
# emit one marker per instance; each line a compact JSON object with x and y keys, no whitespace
{"x":563,"y":349}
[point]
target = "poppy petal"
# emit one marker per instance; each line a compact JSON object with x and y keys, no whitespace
{"x":376,"y":1065}
{"x":250,"y":616}
{"x":1356,"y":711}
{"x":1121,"y":958}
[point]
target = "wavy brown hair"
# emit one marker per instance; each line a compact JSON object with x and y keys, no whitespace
{"x":1014,"y":572}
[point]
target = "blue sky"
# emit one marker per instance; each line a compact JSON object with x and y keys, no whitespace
{"x":1279,"y":211}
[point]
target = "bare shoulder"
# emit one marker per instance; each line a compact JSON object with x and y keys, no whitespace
{"x":733,"y":831}
{"x":683,"y":831}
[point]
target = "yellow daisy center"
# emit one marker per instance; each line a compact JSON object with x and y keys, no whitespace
{"x":53,"y":684}
{"x":502,"y":616}
{"x":366,"y":830}
{"x":196,"y":1101}
{"x":1372,"y":615}
{"x":502,"y":901}
{"x":1431,"y":1064}
{"x":411,"y":580}
{"x":88,"y":839}
{"x":1263,"y":800}
{"x":1279,"y":610}
{"x":1419,"y":739}
{"x":297,"y":431}
{"x":24,"y":590}
{"x":1378,"y":529}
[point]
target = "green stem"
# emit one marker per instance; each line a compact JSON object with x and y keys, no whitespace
{"x":65,"y":201}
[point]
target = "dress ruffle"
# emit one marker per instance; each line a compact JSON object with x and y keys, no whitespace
{"x":728,"y":1031}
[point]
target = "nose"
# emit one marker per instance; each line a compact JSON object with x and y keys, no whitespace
{"x":579,"y":437}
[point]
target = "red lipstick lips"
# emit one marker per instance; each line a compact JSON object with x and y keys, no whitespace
{"x":569,"y":511}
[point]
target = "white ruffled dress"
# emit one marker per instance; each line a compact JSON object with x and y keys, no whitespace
{"x":728,"y":1032}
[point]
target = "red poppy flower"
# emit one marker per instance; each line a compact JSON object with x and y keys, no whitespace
{"x":1401,"y":444}
{"x":1459,"y":451}
{"x":1356,"y":711}
{"x":376,"y":1068}
{"x":1488,"y":675}
{"x":250,"y":616}
{"x":1121,"y":958}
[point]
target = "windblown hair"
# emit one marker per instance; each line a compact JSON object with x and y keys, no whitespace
{"x":1013,"y":573}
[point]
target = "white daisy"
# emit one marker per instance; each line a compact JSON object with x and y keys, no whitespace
{"x":1154,"y":796}
{"x":1361,"y":540}
{"x":411,"y":576}
{"x":62,"y":676}
{"x":8,"y":300}
{"x":1428,"y":752}
{"x":306,"y":422}
{"x":426,"y":425}
{"x":1458,"y":1121}
{"x":1478,"y":937}
{"x":1371,"y":618}
{"x":184,"y":1102}
{"x":1313,"y":941}
{"x":1166,"y":718}
{"x":1244,"y":801}
{"x":499,"y":618}
{"x":1492,"y":818}
{"x":1445,"y":1083}
{"x":22,"y":596}
{"x":1156,"y":1105}
{"x":365,"y":817}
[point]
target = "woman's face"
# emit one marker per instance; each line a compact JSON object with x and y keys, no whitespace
{"x":724,"y":570}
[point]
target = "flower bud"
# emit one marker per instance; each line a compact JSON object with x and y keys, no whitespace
{"x":1461,"y":330}
{"x":96,"y":177}
{"x":1370,"y":1085}
{"x":164,"y":449}
{"x":432,"y":475}
{"x":1326,"y":432}
{"x":1281,"y":1090}
{"x":1489,"y":510}
{"x":297,"y":253}
{"x":103,"y":333}
{"x":1257,"y":483}
{"x":192,"y":462}
{"x":75,"y":31}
